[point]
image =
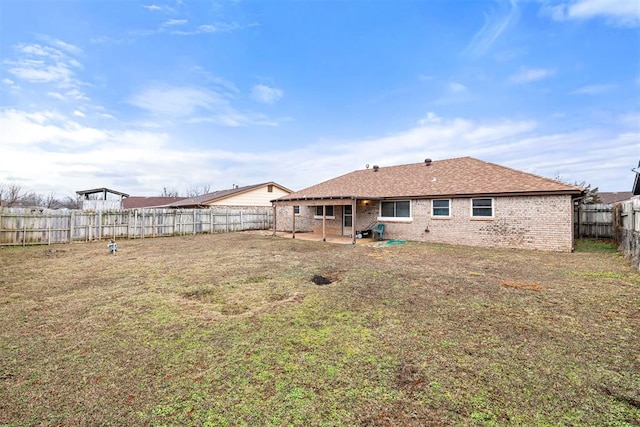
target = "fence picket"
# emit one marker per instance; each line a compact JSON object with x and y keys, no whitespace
{"x":25,"y":227}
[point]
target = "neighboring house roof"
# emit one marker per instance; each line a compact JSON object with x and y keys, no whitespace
{"x":614,"y":197}
{"x":135,"y":202}
{"x":221,"y":195}
{"x":464,"y":176}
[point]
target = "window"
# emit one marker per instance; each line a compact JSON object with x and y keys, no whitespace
{"x":482,"y":208}
{"x":270,"y":188}
{"x":397,"y":209}
{"x":329,"y":212}
{"x":296,"y":210}
{"x":441,"y":207}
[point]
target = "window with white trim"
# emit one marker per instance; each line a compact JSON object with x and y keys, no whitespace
{"x":329,"y":212}
{"x":296,"y":210}
{"x":396,"y":209}
{"x":482,"y":208}
{"x":441,"y":208}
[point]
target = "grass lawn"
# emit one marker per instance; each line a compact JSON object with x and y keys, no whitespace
{"x":230,"y":329}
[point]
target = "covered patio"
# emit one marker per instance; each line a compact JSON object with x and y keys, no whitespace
{"x":351,"y":208}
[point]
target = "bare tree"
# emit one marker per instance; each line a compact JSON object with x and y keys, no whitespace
{"x":70,"y":203}
{"x":51,"y":202}
{"x":195,"y":191}
{"x":169,"y":192}
{"x":32,"y":199}
{"x":591,"y":195}
{"x":12,"y":194}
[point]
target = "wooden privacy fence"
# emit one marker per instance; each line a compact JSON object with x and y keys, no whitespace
{"x":28,"y":227}
{"x":593,"y":220}
{"x":627,"y":229}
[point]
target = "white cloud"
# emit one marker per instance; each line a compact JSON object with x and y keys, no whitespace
{"x":173,"y":22}
{"x":430,"y":118}
{"x":495,"y":24}
{"x":528,"y":75}
{"x":218,"y":27}
{"x":50,"y":65}
{"x":176,"y":101}
{"x":457,"y":87}
{"x":594,"y":89}
{"x":157,"y":8}
{"x":20,"y":128}
{"x":79,"y":113}
{"x":54,"y":153}
{"x":615,"y":12}
{"x":266,"y":94}
{"x":196,"y":104}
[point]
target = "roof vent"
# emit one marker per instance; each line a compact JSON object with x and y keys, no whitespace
{"x":427,"y":162}
{"x":375,"y":168}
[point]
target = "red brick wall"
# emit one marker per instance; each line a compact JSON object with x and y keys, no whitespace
{"x":527,"y":222}
{"x":531,"y":222}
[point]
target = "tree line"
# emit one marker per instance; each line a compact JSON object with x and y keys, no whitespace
{"x":13,"y":194}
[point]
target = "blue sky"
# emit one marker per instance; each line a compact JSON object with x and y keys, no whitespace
{"x":141,"y":96}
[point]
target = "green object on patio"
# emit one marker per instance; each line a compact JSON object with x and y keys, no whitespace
{"x":395,"y":242}
{"x":378,"y":230}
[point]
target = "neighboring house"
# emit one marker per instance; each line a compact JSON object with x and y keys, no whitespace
{"x":136,"y":202}
{"x":251,"y":196}
{"x":100,"y":199}
{"x":611,"y":198}
{"x":458,"y":201}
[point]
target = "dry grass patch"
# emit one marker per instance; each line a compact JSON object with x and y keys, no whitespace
{"x":231,"y":330}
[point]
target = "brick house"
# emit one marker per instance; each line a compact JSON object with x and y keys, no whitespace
{"x":457,"y":201}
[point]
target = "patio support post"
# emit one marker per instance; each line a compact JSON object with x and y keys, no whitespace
{"x":293,"y":227}
{"x":354,"y":203}
{"x":324,"y":223}
{"x":274,"y":220}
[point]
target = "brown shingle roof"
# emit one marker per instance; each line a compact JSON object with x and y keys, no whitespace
{"x":135,"y":202}
{"x":221,"y":194}
{"x":452,"y":177}
{"x":614,"y":197}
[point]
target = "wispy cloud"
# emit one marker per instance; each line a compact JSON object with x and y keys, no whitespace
{"x":456,"y":87}
{"x":53,"y":64}
{"x":615,"y":12}
{"x":181,"y":27}
{"x":496,"y":23}
{"x":159,"y":8}
{"x":431,"y":117}
{"x":266,"y":94}
{"x":529,"y":75}
{"x":593,"y":89}
{"x":174,"y":22}
{"x":218,"y":27}
{"x":176,"y":101}
{"x":197,"y":104}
